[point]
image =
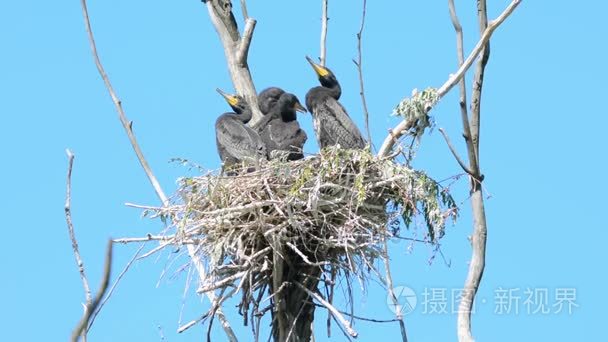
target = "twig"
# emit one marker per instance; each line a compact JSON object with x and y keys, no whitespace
{"x":455,"y":154}
{"x":323,"y":54}
{"x":331,"y":308}
{"x":128,"y":129}
{"x":90,"y":308}
{"x":122,"y":273}
{"x":221,"y":283}
{"x":128,"y":125}
{"x":404,"y":125}
{"x":148,"y":237}
{"x":68,"y":218}
{"x":75,"y":249}
{"x":391,"y":291}
{"x":359,"y":64}
{"x":373,"y":320}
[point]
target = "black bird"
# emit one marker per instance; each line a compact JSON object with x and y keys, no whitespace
{"x":280,"y":130}
{"x":237,"y":142}
{"x":268,"y":98}
{"x":332,"y":124}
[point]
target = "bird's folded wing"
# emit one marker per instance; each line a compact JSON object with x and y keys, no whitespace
{"x":337,"y":125}
{"x":237,"y":139}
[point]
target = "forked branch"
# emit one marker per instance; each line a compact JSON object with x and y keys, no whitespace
{"x":91,"y":307}
{"x":236,"y":49}
{"x":404,"y":125}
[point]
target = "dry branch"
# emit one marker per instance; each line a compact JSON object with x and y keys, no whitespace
{"x":235,"y":50}
{"x":391,"y":292}
{"x":471,"y":151}
{"x":359,"y":64}
{"x":332,"y":309}
{"x":323,"y":40}
{"x":68,"y":218}
{"x":128,"y":126}
{"x":480,"y":229}
{"x":92,"y":307}
{"x":455,"y":154}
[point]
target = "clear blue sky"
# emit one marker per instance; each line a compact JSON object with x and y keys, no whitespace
{"x":543,"y":127}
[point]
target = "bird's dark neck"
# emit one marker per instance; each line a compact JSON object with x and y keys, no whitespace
{"x":244,"y":115}
{"x":284,"y":110}
{"x":334,"y":89}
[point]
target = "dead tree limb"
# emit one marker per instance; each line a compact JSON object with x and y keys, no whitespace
{"x":68,"y":218}
{"x":331,"y":309}
{"x":359,"y":64}
{"x":128,"y":125}
{"x":79,"y":263}
{"x":391,"y":292}
{"x":455,"y":154}
{"x":323,"y":41}
{"x":91,"y":307}
{"x":462,"y":84}
{"x":114,"y":285}
{"x":236,"y":49}
{"x":405,"y":125}
{"x":480,"y":228}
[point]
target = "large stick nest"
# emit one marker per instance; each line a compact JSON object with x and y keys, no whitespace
{"x":334,"y":210}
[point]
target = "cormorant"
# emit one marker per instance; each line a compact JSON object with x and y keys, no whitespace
{"x":268,"y":98}
{"x":280,"y":130}
{"x":237,"y":142}
{"x":332,"y":124}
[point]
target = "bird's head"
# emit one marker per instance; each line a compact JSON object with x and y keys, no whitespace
{"x":292,"y":103}
{"x":237,"y":102}
{"x":288,"y":105}
{"x":326,"y":77}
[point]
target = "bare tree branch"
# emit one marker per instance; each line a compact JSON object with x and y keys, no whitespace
{"x":332,"y":309}
{"x":90,"y":308}
{"x":243,"y":50}
{"x":462,"y":84}
{"x":128,"y":125}
{"x":455,"y":154}
{"x":106,"y":298}
{"x":244,"y":10}
{"x":220,"y":12}
{"x":404,"y":125}
{"x":480,"y":228}
{"x":482,"y":15}
{"x":68,"y":218}
{"x":323,"y":53}
{"x":75,"y":249}
{"x":359,"y":64}
{"x":128,"y":128}
{"x":391,"y":291}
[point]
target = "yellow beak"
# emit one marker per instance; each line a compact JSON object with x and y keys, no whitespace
{"x":319,"y":69}
{"x":230,"y":98}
